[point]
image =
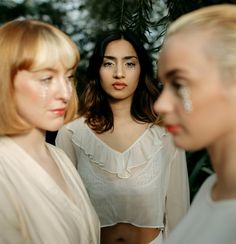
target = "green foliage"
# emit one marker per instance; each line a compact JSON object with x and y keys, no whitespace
{"x":136,"y":15}
{"x":180,"y":7}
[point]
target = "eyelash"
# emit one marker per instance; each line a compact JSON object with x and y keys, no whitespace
{"x":70,"y":78}
{"x":46,"y":80}
{"x":176,"y":86}
{"x":107,"y":64}
{"x":128,"y":64}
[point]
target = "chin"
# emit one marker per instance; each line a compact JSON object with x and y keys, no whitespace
{"x":53,"y":128}
{"x":187,"y":145}
{"x":182,"y":143}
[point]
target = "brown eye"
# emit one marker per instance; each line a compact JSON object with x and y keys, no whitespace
{"x":107,"y":64}
{"x":130,"y":64}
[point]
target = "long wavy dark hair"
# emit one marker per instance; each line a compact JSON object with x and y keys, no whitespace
{"x":94,"y":105}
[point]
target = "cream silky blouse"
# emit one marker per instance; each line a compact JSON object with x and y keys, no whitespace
{"x":146,"y":185}
{"x":34,"y":209}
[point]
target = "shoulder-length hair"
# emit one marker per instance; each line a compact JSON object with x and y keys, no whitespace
{"x":30,"y":45}
{"x":94,"y":105}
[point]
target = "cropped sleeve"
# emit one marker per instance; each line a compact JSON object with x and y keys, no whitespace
{"x":177,"y":197}
{"x":64,"y":141}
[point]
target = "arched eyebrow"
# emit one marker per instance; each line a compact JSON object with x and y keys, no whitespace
{"x":126,"y":57}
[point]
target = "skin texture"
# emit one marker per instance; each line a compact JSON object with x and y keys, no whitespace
{"x":120,"y":70}
{"x":180,"y":66}
{"x":42,"y":96}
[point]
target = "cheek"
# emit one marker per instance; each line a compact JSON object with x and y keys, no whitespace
{"x":104,"y":74}
{"x":28,"y":92}
{"x":43,"y":91}
{"x":136,"y":73}
{"x":206,"y":119}
{"x":134,"y":77}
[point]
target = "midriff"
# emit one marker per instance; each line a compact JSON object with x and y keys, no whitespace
{"x":128,"y":234}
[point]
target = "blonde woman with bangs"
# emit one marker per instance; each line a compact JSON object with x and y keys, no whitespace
{"x":42,"y":198}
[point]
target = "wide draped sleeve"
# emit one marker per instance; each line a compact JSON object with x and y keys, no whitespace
{"x":64,"y":141}
{"x":177,"y":197}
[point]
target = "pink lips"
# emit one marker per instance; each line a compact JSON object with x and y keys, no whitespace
{"x":59,"y":111}
{"x":119,"y":85}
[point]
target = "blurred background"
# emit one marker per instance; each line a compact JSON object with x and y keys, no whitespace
{"x":82,"y":20}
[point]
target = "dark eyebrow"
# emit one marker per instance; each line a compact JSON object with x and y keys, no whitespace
{"x":126,"y":57}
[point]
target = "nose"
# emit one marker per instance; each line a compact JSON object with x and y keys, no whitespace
{"x":64,"y":90}
{"x":119,"y":71}
{"x":164,"y":103}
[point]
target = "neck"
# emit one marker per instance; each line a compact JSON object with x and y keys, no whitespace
{"x":222,"y":155}
{"x":121,"y":109}
{"x":34,"y":141}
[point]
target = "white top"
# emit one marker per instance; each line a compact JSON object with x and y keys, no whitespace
{"x":207,"y":222}
{"x":137,"y":186}
{"x":34,"y":209}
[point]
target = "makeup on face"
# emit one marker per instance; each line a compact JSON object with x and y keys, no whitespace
{"x":50,"y":84}
{"x":53,"y":81}
{"x":185,"y":96}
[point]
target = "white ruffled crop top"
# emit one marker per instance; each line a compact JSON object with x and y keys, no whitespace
{"x":147,"y":185}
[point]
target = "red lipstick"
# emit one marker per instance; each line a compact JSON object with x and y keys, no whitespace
{"x":173,"y":128}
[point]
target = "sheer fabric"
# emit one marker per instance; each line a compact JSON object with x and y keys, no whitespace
{"x":147,"y":185}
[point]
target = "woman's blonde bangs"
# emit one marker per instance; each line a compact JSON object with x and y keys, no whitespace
{"x":31,"y":45}
{"x":52,"y":46}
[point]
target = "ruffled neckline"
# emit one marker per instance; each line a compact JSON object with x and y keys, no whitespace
{"x":110,"y":160}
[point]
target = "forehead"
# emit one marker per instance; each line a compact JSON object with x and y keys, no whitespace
{"x":184,"y":50}
{"x":120,"y":48}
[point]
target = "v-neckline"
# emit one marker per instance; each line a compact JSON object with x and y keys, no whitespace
{"x":45,"y":173}
{"x":114,"y":150}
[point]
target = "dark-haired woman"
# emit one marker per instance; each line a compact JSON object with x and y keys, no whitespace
{"x":135,"y":176}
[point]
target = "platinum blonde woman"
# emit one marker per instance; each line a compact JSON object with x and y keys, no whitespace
{"x":198,"y":68}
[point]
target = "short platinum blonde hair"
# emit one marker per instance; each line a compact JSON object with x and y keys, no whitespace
{"x":30,"y":45}
{"x":219,"y":23}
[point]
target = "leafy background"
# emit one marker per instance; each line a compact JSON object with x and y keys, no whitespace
{"x":84,"y":19}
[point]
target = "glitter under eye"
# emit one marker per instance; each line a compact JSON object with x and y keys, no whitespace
{"x":44,"y":90}
{"x":187,"y":103}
